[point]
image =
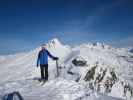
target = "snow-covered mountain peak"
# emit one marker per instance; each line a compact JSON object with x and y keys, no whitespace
{"x":98,"y":66}
{"x":54,"y":43}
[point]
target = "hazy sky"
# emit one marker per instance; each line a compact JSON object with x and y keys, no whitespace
{"x":25,"y":24}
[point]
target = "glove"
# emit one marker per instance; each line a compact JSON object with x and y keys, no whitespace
{"x":56,"y":58}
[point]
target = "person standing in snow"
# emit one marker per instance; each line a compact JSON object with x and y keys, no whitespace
{"x":43,"y":61}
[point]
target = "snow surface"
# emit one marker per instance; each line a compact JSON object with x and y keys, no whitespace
{"x":19,"y":71}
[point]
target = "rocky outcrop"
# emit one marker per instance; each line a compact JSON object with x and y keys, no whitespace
{"x":79,"y":61}
{"x":105,"y":80}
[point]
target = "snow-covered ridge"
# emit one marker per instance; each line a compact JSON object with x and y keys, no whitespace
{"x":100,"y":67}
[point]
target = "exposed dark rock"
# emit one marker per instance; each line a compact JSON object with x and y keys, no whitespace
{"x":114,"y":77}
{"x":90,"y":74}
{"x":100,"y":77}
{"x":79,"y":62}
{"x":101,"y":80}
{"x":127,"y":88}
{"x":69,"y":72}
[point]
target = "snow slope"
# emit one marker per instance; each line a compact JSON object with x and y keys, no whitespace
{"x":88,"y":71}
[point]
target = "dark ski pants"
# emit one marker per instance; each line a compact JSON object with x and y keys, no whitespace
{"x":42,"y":68}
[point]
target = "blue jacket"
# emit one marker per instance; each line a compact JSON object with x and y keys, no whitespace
{"x":43,"y":57}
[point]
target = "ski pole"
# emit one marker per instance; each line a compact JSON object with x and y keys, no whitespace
{"x":57,"y":68}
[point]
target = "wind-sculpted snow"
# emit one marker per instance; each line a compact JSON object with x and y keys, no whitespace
{"x":56,"y":89}
{"x":87,"y":72}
